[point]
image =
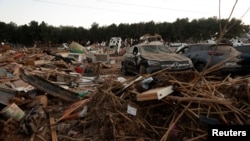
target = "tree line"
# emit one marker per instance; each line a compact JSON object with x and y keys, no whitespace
{"x":181,"y":30}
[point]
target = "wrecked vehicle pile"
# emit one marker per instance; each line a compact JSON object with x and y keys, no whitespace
{"x":47,"y":100}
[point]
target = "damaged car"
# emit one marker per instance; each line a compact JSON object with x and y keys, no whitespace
{"x":149,"y":58}
{"x":207,"y":55}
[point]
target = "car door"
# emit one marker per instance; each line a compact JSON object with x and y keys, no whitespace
{"x":198,"y":54}
{"x":130,"y":59}
{"x":216,"y":55}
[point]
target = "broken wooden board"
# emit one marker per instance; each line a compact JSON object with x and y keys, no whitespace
{"x":154,"y":94}
{"x":53,"y":129}
{"x":48,"y":87}
{"x":33,"y":62}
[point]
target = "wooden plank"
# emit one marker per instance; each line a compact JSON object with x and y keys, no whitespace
{"x":153,"y":94}
{"x":41,"y":62}
{"x":53,"y":129}
{"x":48,"y":87}
{"x":148,"y":95}
{"x":164,"y":92}
{"x":72,"y":108}
{"x":145,"y":97}
{"x":30,"y":62}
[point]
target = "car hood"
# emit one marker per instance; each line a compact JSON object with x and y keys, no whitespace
{"x":165,"y":57}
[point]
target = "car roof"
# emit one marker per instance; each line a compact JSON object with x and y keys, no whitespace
{"x":208,"y":44}
{"x":201,"y":46}
{"x":248,"y":45}
{"x":139,"y":45}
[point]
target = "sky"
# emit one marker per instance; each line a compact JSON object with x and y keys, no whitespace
{"x":83,"y":13}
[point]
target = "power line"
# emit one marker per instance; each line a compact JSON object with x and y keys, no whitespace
{"x":89,"y":7}
{"x":245,"y":12}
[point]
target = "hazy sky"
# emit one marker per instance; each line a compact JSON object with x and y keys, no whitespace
{"x":106,"y":12}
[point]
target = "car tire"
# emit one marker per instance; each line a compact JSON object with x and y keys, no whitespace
{"x":142,"y":70}
{"x":124,"y":70}
{"x":199,"y":66}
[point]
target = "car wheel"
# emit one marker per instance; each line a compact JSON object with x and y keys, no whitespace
{"x":124,"y":70}
{"x":199,"y":66}
{"x":142,"y":70}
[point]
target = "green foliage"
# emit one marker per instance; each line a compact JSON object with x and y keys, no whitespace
{"x":182,"y":30}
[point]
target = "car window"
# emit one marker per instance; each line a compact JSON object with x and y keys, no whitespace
{"x":243,"y":49}
{"x":155,"y":49}
{"x":182,"y":50}
{"x":164,"y":49}
{"x":135,"y":50}
{"x":194,"y":48}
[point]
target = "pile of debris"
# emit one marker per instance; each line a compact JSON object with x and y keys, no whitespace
{"x":172,"y":107}
{"x":53,"y":103}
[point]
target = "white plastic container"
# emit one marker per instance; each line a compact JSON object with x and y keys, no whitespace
{"x":13,"y":111}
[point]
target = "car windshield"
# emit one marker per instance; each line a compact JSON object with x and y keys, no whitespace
{"x":157,"y":49}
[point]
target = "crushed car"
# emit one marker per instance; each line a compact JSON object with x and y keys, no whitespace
{"x":115,"y":44}
{"x":207,"y":55}
{"x":151,"y":39}
{"x":149,"y":58}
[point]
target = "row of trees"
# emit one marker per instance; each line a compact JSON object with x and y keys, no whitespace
{"x":182,"y":30}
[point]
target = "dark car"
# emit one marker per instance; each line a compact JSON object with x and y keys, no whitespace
{"x":245,"y":56}
{"x":212,"y":54}
{"x":149,"y":58}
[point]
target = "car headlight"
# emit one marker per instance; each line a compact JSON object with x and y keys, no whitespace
{"x":153,"y":63}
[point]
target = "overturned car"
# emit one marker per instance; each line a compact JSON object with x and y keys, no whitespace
{"x":149,"y":58}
